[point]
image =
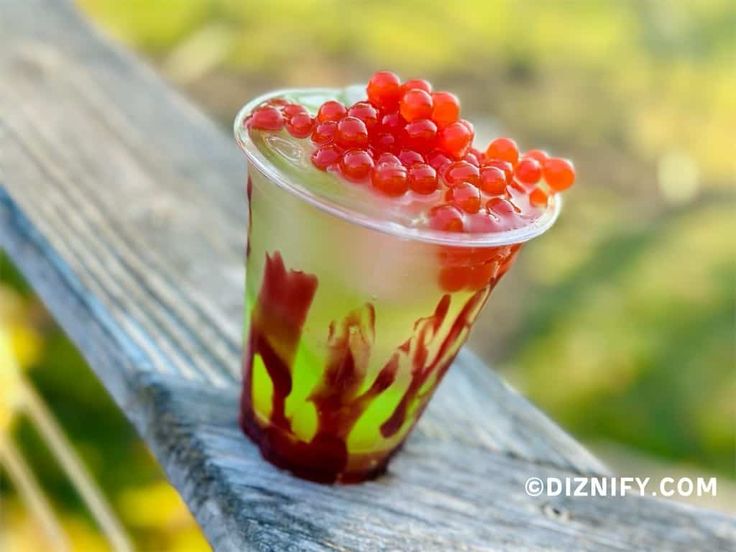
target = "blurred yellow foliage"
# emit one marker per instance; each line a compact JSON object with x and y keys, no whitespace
{"x":10,"y":383}
{"x":24,"y":340}
{"x":158,"y":507}
{"x":152,"y":505}
{"x":18,"y":530}
{"x":82,"y":536}
{"x":20,"y":346}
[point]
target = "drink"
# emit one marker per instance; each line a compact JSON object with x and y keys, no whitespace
{"x":357,"y":301}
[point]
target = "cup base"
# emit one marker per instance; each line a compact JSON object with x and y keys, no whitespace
{"x":323,"y":459}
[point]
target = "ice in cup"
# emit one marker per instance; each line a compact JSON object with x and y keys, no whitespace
{"x":372,"y":248}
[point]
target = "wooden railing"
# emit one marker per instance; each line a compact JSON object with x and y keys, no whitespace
{"x":123,"y":205}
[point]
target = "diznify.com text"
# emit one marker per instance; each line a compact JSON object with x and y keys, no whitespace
{"x":620,"y":486}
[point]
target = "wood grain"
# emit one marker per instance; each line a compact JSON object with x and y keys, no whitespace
{"x":123,"y":205}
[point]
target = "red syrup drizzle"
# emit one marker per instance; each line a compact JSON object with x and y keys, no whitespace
{"x":276,"y":326}
{"x":336,"y":397}
{"x":417,"y":350}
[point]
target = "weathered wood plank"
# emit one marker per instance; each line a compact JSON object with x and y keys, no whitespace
{"x":123,"y":206}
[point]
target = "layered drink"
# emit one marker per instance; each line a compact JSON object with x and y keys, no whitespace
{"x":377,"y":232}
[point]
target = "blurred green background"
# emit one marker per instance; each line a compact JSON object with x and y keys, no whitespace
{"x":619,"y":323}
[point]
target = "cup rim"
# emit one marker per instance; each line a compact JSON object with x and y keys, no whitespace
{"x":428,"y":235}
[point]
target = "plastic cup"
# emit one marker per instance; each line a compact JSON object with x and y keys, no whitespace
{"x":351,"y":321}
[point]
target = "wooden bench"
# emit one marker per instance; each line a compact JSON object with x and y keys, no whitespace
{"x":123,"y":205}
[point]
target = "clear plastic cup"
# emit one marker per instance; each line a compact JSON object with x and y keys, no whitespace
{"x":351,"y":320}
